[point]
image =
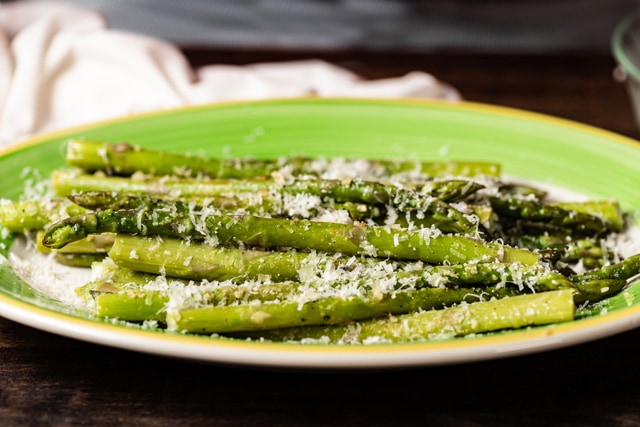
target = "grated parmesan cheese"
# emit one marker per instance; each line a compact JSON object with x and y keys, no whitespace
{"x":321,"y":275}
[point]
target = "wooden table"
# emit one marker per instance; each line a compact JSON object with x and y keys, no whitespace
{"x":50,"y":380}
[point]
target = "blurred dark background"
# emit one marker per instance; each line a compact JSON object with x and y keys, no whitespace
{"x":526,"y":26}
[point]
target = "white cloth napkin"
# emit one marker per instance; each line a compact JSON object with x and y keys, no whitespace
{"x":61,"y":66}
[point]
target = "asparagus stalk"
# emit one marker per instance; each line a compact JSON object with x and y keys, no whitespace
{"x":432,"y":212}
{"x":588,"y":291}
{"x":132,"y":307}
{"x":94,"y":243}
{"x":135,"y":296}
{"x":588,"y":251}
{"x":435,"y":213}
{"x":19,"y":216}
{"x":126,"y":159}
{"x":350,"y":239}
{"x":579,"y":222}
{"x":479,"y":317}
{"x":104,"y":200}
{"x":323,"y":311}
{"x":67,"y":183}
{"x":194,"y":260}
{"x":377,"y":193}
{"x":191,"y":260}
{"x":608,"y":210}
{"x":623,"y":270}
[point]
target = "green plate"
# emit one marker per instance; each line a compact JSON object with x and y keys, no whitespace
{"x":575,"y":157}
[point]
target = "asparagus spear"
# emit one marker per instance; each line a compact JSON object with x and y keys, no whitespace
{"x":92,"y":244}
{"x":135,"y":296}
{"x":608,"y":210}
{"x":588,"y":291}
{"x":323,"y":311}
{"x":18,"y":216}
{"x":126,"y":159}
{"x":479,"y":317}
{"x":588,"y":251}
{"x":377,"y":193}
{"x":131,"y":307}
{"x":623,"y":270}
{"x":103,"y":200}
{"x":351,"y":239}
{"x":191,"y":260}
{"x":579,"y":222}
{"x":66,"y":183}
{"x":431,"y":212}
{"x":435,"y":212}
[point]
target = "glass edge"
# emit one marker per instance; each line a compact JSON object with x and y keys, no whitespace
{"x":617,"y":44}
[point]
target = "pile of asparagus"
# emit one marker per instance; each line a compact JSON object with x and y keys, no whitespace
{"x":313,"y":249}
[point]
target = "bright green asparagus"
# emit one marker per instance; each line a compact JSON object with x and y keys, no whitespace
{"x":127,"y":159}
{"x":464,"y":319}
{"x":350,"y":239}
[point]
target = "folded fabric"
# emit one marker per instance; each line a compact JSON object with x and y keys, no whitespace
{"x":61,"y":66}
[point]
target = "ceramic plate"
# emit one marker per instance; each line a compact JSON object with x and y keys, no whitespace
{"x":575,"y":157}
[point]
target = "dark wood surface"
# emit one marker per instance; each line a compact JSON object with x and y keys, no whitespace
{"x":50,"y":380}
